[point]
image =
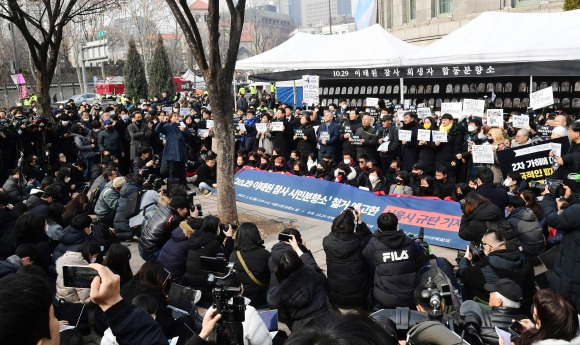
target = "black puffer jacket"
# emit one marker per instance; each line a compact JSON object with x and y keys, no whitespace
{"x":121,"y":222}
{"x":257,"y":262}
{"x":473,"y":227}
{"x":157,"y":230}
{"x":70,"y":240}
{"x":397,"y":259}
{"x":527,"y":233}
{"x":500,"y":317}
{"x":566,"y":277}
{"x":300,"y":296}
{"x":203,"y":243}
{"x":347,"y":271}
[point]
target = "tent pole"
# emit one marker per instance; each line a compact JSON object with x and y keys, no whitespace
{"x":294,"y":89}
{"x":402,"y":101}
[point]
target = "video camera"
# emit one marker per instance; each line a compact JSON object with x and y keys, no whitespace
{"x":193,"y":206}
{"x":556,"y":187}
{"x":225,"y":300}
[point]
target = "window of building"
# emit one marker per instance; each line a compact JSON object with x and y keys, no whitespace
{"x":411,"y":10}
{"x":444,"y":7}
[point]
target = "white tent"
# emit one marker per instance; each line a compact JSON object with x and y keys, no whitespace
{"x":506,"y":37}
{"x":367,"y":48}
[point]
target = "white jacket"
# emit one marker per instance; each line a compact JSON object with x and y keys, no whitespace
{"x":72,"y":295}
{"x":255,"y":330}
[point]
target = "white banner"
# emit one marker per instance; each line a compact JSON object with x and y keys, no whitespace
{"x":440,"y":136}
{"x":372,"y":101}
{"x":277,"y":126}
{"x":521,"y":121}
{"x":310,"y":89}
{"x":473,"y":107}
{"x":542,"y":98}
{"x":423,"y":112}
{"x":262,"y":127}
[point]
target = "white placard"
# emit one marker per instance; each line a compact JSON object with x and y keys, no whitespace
{"x":424,"y":134}
{"x":355,"y":140}
{"x":440,"y":136}
{"x":520,"y":121}
{"x":202,"y":132}
{"x":474,"y":107}
{"x":262,"y":127}
{"x":482,"y":154}
{"x":184,"y":111}
{"x":405,"y":135}
{"x":372,"y":101}
{"x":324,"y":135}
{"x":310,"y":89}
{"x":406,"y":103}
{"x":384,"y":147}
{"x":277,"y":126}
{"x":542,"y":98}
{"x":401,"y":114}
{"x":455,"y":109}
{"x":209,"y":124}
{"x":168,"y":110}
{"x":423,"y":112}
{"x":557,"y":148}
{"x":495,"y":117}
{"x":241,"y":127}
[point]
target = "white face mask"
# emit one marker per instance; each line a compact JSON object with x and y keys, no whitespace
{"x":347,"y":161}
{"x":470,"y":128}
{"x":125,"y":117}
{"x":65,"y":123}
{"x":67,"y":179}
{"x":196,"y":120}
{"x":343,"y":106}
{"x":507,"y":182}
{"x":93,"y":260}
{"x":373,"y":178}
{"x":111,"y":113}
{"x":480,"y":135}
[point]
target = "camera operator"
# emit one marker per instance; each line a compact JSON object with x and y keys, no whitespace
{"x":504,"y":300}
{"x":396,"y":259}
{"x":207,"y":241}
{"x":143,"y":164}
{"x":348,"y":273}
{"x":499,"y":262}
{"x":562,"y":214}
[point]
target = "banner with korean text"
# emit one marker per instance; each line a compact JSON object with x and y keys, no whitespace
{"x":325,"y":200}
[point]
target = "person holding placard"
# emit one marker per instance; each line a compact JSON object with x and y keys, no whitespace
{"x":425,"y":146}
{"x":388,"y":137}
{"x":569,"y":162}
{"x":282,"y":139}
{"x":250,"y":132}
{"x":306,"y":143}
{"x":348,"y":128}
{"x":409,"y":154}
{"x":328,"y":134}
{"x":206,"y":139}
{"x":368,"y":138}
{"x":446,"y":151}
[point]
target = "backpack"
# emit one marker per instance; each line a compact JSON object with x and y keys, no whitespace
{"x":133,"y":205}
{"x":432,"y":270}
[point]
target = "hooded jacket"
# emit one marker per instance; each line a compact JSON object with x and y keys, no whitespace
{"x":71,"y":295}
{"x":528,"y":232}
{"x":173,"y":255}
{"x":70,"y":240}
{"x":347,"y":271}
{"x":473,"y":227}
{"x":396,"y":258}
{"x":10,"y":265}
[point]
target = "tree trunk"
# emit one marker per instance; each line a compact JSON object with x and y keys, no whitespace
{"x":221,"y":100}
{"x":43,"y":92}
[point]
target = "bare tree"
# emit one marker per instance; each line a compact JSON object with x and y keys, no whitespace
{"x":218,"y":74}
{"x":42,"y":24}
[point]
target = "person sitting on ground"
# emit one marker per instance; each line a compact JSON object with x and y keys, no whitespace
{"x":207,"y":176}
{"x":73,"y":236}
{"x":26,"y":255}
{"x":486,"y":188}
{"x":85,"y":254}
{"x":345,"y":174}
{"x":514,"y":183}
{"x":117,"y":260}
{"x":401,"y":185}
{"x":376,"y":182}
{"x":173,"y":255}
{"x":527,"y":232}
{"x":108,"y":202}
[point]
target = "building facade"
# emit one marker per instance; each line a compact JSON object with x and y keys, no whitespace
{"x":424,"y":21}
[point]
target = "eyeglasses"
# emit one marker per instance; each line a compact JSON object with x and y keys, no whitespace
{"x":361,"y":162}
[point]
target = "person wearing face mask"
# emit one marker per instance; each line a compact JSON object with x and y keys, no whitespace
{"x":140,"y":135}
{"x":514,"y":183}
{"x":401,"y":185}
{"x":445,"y":152}
{"x":463,"y":161}
{"x":109,"y":140}
{"x":391,"y":173}
{"x":345,"y":174}
{"x":444,"y":182}
{"x":376,"y":181}
{"x":428,"y":187}
{"x":84,"y":254}
{"x":65,"y":138}
{"x":409,"y":153}
{"x":427,"y":148}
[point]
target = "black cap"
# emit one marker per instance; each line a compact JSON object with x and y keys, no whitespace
{"x":179,"y":202}
{"x":75,"y":128}
{"x":50,"y":192}
{"x":417,"y":166}
{"x":507,"y":288}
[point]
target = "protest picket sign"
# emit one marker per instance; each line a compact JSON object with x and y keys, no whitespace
{"x":474,"y":107}
{"x":405,"y":135}
{"x":401,"y":114}
{"x":298,"y":132}
{"x":482,"y":154}
{"x":423,"y":112}
{"x":210,"y":124}
{"x":355,"y":140}
{"x":262,"y":127}
{"x":310,"y":89}
{"x":324,"y":135}
{"x":324,"y":200}
{"x":242,"y":127}
{"x":453,"y":108}
{"x":542,"y":98}
{"x":277,"y":126}
{"x":424,"y":134}
{"x":184,"y":111}
{"x":168,"y":110}
{"x":372,"y":101}
{"x":520,"y":121}
{"x":384,"y":147}
{"x":202,"y":132}
{"x":532,"y":162}
{"x":440,"y":136}
{"x":544,"y":131}
{"x":495,"y":117}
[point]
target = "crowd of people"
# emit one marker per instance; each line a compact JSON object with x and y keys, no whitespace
{"x":81,"y":183}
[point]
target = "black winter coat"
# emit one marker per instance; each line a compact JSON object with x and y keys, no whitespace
{"x":427,"y":153}
{"x":203,"y":243}
{"x":173,"y":255}
{"x":349,"y":127}
{"x":566,"y":276}
{"x":257,"y":262}
{"x":409,"y":154}
{"x":527,"y":233}
{"x":300,"y":296}
{"x":473,"y":227}
{"x":121,"y":222}
{"x":305,"y":147}
{"x":347,"y":271}
{"x":397,"y":259}
{"x":445,"y":153}
{"x":157,"y":229}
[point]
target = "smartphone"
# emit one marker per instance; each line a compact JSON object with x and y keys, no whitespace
{"x":79,"y":277}
{"x":516,"y":329}
{"x":284,"y":237}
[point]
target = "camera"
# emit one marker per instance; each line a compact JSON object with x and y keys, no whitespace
{"x":555,"y":187}
{"x":156,"y":182}
{"x":155,"y":159}
{"x":435,"y":297}
{"x":224,"y":227}
{"x":477,"y":253}
{"x":224,"y":299}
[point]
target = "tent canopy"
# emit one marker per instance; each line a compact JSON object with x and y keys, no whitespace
{"x":367,"y":48}
{"x":506,"y":37}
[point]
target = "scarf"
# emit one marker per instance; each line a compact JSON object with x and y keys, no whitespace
{"x":446,"y":128}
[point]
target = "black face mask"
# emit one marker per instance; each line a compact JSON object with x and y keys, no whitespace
{"x":391,"y":171}
{"x":440,"y":180}
{"x":424,"y":189}
{"x":138,"y":122}
{"x":415,"y":175}
{"x":399,"y":182}
{"x":320,"y":170}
